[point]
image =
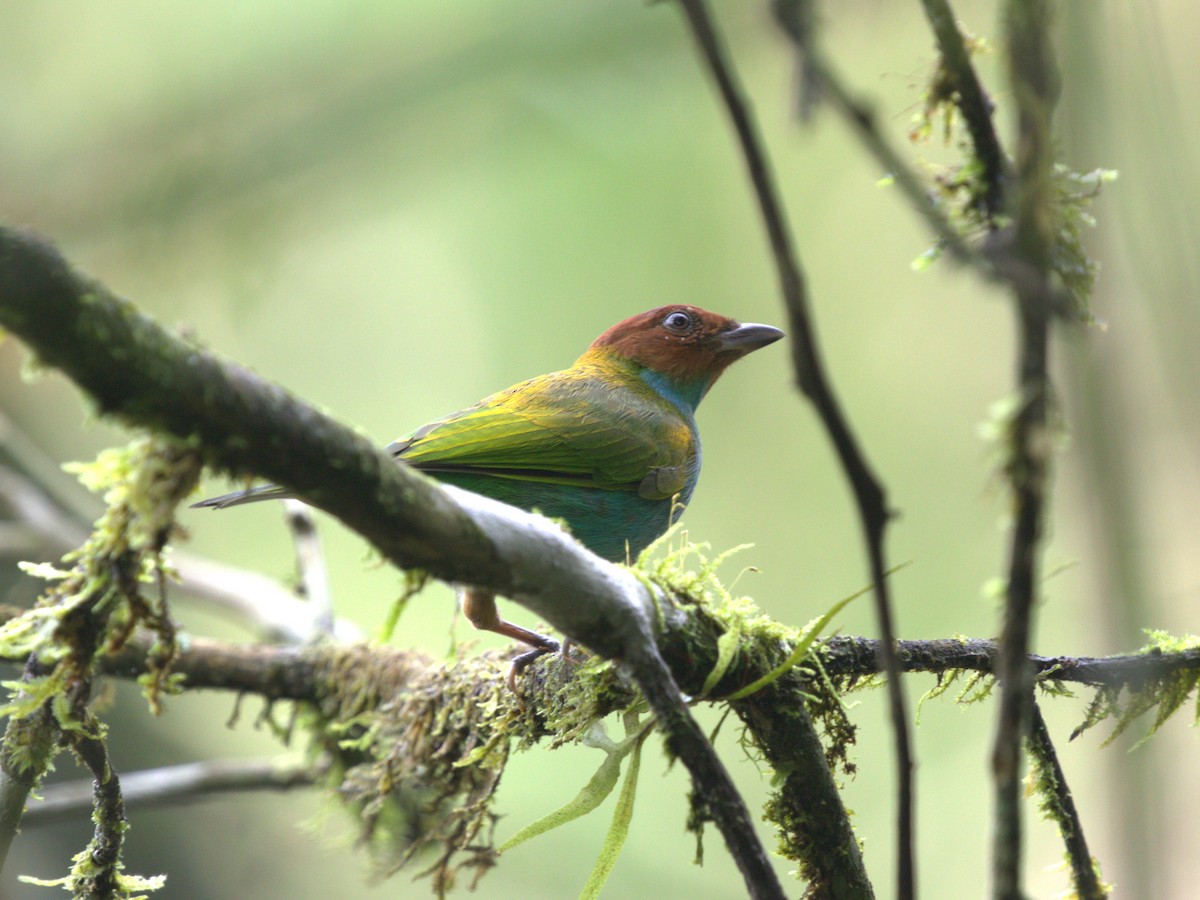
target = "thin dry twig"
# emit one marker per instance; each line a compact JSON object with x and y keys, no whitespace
{"x":795,"y":18}
{"x":310,"y":566}
{"x":172,"y":785}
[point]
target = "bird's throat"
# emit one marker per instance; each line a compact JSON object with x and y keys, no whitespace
{"x":685,"y":397}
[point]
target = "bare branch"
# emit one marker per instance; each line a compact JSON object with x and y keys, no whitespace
{"x":310,"y":565}
{"x":172,"y":785}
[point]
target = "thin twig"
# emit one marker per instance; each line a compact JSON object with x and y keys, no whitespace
{"x":795,"y":22}
{"x":721,"y":800}
{"x":857,"y":658}
{"x":1060,"y":805}
{"x":43,"y":526}
{"x":813,"y":382}
{"x":1034,"y":86}
{"x":172,"y":785}
{"x":310,"y":566}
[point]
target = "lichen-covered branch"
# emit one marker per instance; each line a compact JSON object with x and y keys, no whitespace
{"x":393,"y":687}
{"x":44,"y":527}
{"x":97,"y":870}
{"x":88,"y":609}
{"x":290,"y":673}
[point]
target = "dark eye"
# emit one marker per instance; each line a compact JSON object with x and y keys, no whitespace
{"x":678,"y":322}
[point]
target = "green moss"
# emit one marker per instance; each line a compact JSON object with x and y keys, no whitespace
{"x":1163,"y":694}
{"x":92,"y":604}
{"x":419,"y":747}
{"x":750,"y":656}
{"x":967,"y":194}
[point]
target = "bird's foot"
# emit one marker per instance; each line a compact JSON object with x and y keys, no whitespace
{"x":571,"y":653}
{"x":522,"y":661}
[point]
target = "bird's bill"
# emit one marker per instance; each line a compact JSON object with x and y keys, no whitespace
{"x":746,"y":338}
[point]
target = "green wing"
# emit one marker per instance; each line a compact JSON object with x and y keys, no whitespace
{"x":565,"y":428}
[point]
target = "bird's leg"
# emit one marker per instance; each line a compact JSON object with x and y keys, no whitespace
{"x":479,"y":606}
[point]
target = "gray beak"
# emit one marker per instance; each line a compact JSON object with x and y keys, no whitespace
{"x":747,"y":338}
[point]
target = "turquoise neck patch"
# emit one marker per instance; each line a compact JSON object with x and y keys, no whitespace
{"x":685,"y":397}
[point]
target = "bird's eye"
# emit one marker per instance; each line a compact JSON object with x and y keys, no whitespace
{"x":678,"y":322}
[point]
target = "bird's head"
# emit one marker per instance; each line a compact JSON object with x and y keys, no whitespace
{"x":688,"y":346}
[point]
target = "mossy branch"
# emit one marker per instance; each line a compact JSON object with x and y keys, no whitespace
{"x":289,"y":672}
{"x":1058,"y":805}
{"x":976,"y":107}
{"x":364,"y":687}
{"x":137,"y":371}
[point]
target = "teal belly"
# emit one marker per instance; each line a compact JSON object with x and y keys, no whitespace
{"x":612,"y":524}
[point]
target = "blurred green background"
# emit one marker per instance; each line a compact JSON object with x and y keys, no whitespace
{"x":394,"y":209}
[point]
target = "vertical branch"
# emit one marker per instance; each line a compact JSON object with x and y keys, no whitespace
{"x":97,"y":874}
{"x":810,"y":376}
{"x":310,"y":567}
{"x":1035,"y":89}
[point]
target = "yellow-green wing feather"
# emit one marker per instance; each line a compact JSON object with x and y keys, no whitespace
{"x":575,"y":427}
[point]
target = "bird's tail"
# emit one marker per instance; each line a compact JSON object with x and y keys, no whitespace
{"x":250,"y":495}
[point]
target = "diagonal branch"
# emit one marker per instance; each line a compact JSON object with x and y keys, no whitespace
{"x":98,"y":877}
{"x":813,"y":382}
{"x":145,"y":376}
{"x":794,"y":17}
{"x":1059,"y":804}
{"x":974,"y":105}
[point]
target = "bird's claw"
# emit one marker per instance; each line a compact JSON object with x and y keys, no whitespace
{"x":522,"y":661}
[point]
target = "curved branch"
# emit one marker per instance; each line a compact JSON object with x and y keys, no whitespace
{"x":869,"y":493}
{"x":43,"y":526}
{"x":138,"y":372}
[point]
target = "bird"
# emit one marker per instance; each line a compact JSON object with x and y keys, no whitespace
{"x":610,"y":445}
